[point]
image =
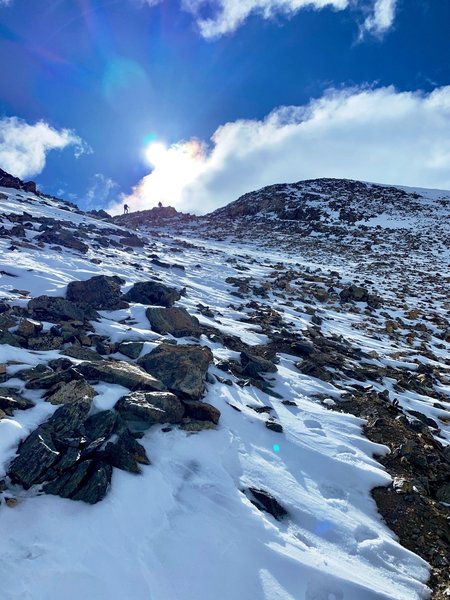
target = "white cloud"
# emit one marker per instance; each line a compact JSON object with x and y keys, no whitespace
{"x":99,"y":191}
{"x":230,"y":14}
{"x":219,"y":17}
{"x":377,"y":135}
{"x":382,"y":18}
{"x":24,"y":147}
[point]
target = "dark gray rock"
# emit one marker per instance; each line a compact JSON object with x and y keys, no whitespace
{"x":152,"y":292}
{"x":49,"y":308}
{"x":95,"y":486}
{"x":48,"y":380}
{"x":98,"y":428}
{"x":71,"y":392}
{"x":11,"y":400}
{"x":68,"y":419}
{"x":181,"y":368}
{"x":274,"y":426}
{"x":201,"y":411}
{"x":121,"y":373}
{"x":36,"y":455}
{"x":131,"y":349}
{"x":126,"y":454}
{"x":176,"y":321}
{"x":254,"y":365}
{"x":82,"y":353}
{"x":67,"y":484}
{"x":143,"y":409}
{"x":100,"y":292}
{"x":62,"y":237}
{"x":266,"y":502}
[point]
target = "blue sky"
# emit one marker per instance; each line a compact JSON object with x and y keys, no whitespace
{"x":187,"y":102}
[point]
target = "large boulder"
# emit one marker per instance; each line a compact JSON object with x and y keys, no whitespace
{"x":62,"y":237}
{"x":152,"y":292}
{"x":50,"y":308}
{"x":71,"y":392}
{"x":100,"y":292}
{"x":176,"y":321}
{"x":142,"y":409}
{"x":120,"y":373}
{"x":181,"y":368}
{"x":126,"y":454}
{"x":201,"y":411}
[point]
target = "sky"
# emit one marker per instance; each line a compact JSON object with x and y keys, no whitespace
{"x":196,"y":102}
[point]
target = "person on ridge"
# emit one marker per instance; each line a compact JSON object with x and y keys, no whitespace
{"x":125,"y":209}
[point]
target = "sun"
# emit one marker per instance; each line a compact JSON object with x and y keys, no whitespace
{"x":156,"y":153}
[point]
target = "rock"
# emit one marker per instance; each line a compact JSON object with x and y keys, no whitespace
{"x":266,"y":502}
{"x":143,"y":409}
{"x":443,"y":493}
{"x":201,"y":411}
{"x":71,"y":392}
{"x":152,"y":292}
{"x":48,"y":380}
{"x":88,"y":481}
{"x":181,"y":368}
{"x":131,"y":349}
{"x":98,"y":428}
{"x":49,"y":308}
{"x":11,"y":400}
{"x":68,"y":419}
{"x":424,"y":419}
{"x":96,"y":484}
{"x":100,"y":292}
{"x":126,"y":454}
{"x":36,"y":455}
{"x":11,"y":502}
{"x":81,"y":353}
{"x":274,"y":426}
{"x":62,"y":237}
{"x":402,"y":485}
{"x":45,"y":342}
{"x":6,"y":337}
{"x":28,"y":328}
{"x":120,"y":373}
{"x":2,"y":372}
{"x":193,"y":426}
{"x":254,"y":365}
{"x":133,"y":241}
{"x":176,"y":321}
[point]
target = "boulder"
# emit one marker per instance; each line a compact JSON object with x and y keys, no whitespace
{"x":36,"y":455}
{"x":71,"y":392}
{"x":11,"y":400}
{"x":50,"y":308}
{"x":98,"y":428}
{"x":181,"y":368}
{"x":45,"y":342}
{"x":96,"y":484}
{"x":152,"y":292}
{"x":28,"y":328}
{"x":254,"y":365}
{"x":126,"y":454}
{"x":62,"y":237}
{"x":120,"y":373}
{"x":143,"y":409}
{"x":266,"y":502}
{"x":82,"y":353}
{"x":176,"y":321}
{"x":201,"y":411}
{"x":100,"y":292}
{"x":131,"y":349}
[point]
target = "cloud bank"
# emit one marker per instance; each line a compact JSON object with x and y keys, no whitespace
{"x":378,"y":135}
{"x":24,"y":147}
{"x":215,"y":18}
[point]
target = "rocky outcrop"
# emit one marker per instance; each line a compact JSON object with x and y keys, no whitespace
{"x":152,"y":292}
{"x":59,"y":236}
{"x":181,"y":368}
{"x":9,"y":181}
{"x":100,"y":292}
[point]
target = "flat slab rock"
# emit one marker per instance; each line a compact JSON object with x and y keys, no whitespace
{"x":71,"y":392}
{"x":176,"y":321}
{"x":142,"y":409}
{"x":120,"y":373}
{"x":181,"y":368}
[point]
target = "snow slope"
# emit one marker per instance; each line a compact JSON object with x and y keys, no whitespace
{"x":184,"y":530}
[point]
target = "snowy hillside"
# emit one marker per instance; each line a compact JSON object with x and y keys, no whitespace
{"x":225,"y":411}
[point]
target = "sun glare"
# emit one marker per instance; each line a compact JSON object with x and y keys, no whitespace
{"x":155,"y":153}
